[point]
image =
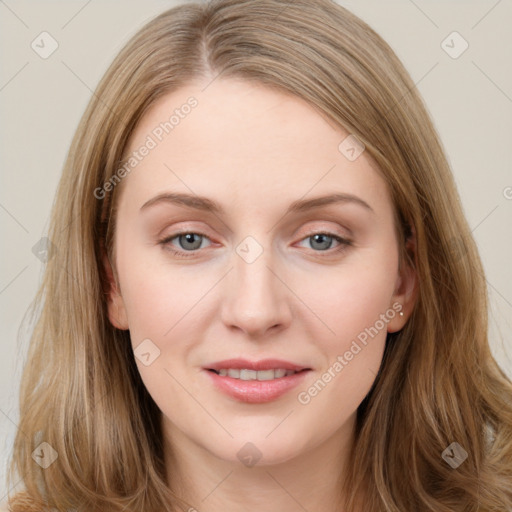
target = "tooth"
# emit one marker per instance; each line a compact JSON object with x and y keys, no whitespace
{"x":262,"y":375}
{"x":248,"y":374}
{"x":266,"y":374}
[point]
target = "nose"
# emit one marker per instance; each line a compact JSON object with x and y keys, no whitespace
{"x":256,"y":298}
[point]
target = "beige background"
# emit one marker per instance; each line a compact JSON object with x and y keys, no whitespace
{"x":41,"y":101}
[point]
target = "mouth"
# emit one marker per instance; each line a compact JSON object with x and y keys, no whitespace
{"x":247,"y":374}
{"x":255,"y":382}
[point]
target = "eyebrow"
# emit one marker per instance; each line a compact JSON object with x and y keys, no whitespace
{"x":206,"y":204}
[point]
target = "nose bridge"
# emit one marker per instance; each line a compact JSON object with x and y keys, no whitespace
{"x":256,"y":298}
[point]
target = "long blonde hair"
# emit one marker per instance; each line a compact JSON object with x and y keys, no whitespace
{"x":438,"y":384}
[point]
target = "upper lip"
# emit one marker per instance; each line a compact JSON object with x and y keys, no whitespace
{"x":263,"y":364}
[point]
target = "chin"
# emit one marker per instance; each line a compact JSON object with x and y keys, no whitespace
{"x":255,"y":449}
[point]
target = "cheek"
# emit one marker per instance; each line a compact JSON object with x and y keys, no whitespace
{"x":350,"y":298}
{"x":164,"y":306}
{"x":158,"y":295}
{"x":354,"y":309}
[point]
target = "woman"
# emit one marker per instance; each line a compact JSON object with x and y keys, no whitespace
{"x":258,"y":369}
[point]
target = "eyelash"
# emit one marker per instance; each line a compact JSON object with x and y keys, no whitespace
{"x":344,"y":243}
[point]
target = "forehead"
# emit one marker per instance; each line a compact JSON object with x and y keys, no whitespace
{"x":243,"y":142}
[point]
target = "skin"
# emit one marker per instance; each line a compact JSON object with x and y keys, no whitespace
{"x":254,"y":151}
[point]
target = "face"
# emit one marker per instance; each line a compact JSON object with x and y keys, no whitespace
{"x":221,"y":253}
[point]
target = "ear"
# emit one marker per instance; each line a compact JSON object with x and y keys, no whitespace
{"x":406,"y":289}
{"x":115,"y":304}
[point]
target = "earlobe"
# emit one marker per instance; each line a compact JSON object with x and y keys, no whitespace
{"x":404,"y":298}
{"x":115,"y":304}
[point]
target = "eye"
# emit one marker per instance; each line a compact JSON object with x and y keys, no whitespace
{"x":322,"y":242}
{"x":188,"y":240}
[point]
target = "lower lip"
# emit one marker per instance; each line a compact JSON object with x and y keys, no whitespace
{"x":256,"y":391}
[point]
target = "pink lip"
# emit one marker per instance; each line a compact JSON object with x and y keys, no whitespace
{"x":264,"y":364}
{"x":256,"y":391}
